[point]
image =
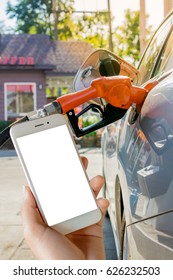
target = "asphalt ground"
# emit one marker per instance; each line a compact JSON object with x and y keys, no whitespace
{"x":12,"y":243}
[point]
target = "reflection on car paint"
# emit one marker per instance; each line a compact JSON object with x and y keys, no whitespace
{"x":111,"y":140}
{"x":139,"y":169}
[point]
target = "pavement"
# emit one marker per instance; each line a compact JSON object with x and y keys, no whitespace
{"x":12,"y":244}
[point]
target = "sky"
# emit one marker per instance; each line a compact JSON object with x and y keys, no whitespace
{"x":119,"y":6}
{"x":154,"y":8}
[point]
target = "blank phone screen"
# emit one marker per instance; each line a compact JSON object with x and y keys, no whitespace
{"x":56,"y":173}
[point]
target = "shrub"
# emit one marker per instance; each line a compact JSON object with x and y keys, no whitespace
{"x":89,"y":120}
{"x":4,"y":124}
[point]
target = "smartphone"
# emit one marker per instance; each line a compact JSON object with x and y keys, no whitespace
{"x":55,"y":173}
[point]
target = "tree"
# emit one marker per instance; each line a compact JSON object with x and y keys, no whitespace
{"x":63,"y":23}
{"x":57,"y":19}
{"x":93,"y":29}
{"x":37,"y":16}
{"x":126,"y":37}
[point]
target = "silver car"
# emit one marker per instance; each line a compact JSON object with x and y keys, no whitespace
{"x":138,"y":160}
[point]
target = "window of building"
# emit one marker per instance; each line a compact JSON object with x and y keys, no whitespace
{"x":20,"y":98}
{"x":58,"y":86}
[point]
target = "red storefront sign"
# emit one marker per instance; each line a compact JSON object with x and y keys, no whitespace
{"x":15,"y":60}
{"x":20,"y":88}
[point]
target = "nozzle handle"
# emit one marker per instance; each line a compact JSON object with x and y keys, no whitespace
{"x":72,"y":100}
{"x":117,"y":90}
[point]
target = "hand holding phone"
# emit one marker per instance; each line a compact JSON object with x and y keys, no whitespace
{"x":55,"y":174}
{"x":47,"y":243}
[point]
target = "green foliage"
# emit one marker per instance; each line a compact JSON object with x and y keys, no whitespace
{"x":93,"y":29}
{"x":90,"y":120}
{"x":63,"y":11}
{"x":4,"y":124}
{"x":37,"y":16}
{"x":126,"y":37}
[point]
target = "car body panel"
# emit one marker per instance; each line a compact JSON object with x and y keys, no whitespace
{"x":138,"y":160}
{"x":148,"y":242}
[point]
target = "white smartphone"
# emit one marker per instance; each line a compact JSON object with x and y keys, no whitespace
{"x":55,"y":173}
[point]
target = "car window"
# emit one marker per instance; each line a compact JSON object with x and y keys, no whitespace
{"x":148,"y":61}
{"x":165,"y":62}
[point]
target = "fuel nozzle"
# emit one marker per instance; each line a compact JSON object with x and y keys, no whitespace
{"x":118,"y":91}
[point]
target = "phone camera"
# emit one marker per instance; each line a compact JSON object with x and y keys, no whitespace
{"x":47,"y":122}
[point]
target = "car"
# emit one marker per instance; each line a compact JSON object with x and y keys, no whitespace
{"x":138,"y":160}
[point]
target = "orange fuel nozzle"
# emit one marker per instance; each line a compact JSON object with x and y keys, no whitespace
{"x":117,"y":90}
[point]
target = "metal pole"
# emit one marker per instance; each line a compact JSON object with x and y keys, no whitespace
{"x":55,"y":15}
{"x":110,"y":27}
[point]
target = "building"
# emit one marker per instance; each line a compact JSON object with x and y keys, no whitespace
{"x":32,"y":68}
{"x":69,"y":57}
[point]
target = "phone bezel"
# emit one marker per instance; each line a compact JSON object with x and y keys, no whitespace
{"x":38,"y":125}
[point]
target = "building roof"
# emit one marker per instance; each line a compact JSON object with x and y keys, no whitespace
{"x":39,"y":52}
{"x":38,"y":47}
{"x":70,"y":55}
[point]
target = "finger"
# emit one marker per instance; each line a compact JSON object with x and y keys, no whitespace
{"x":96,"y":184}
{"x":30,"y":214}
{"x":84,"y":161}
{"x":103,"y":204}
